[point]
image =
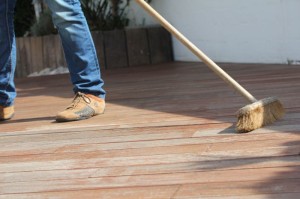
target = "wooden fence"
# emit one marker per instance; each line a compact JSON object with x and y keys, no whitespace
{"x":115,"y":49}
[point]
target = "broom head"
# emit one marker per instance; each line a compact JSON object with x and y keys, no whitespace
{"x":258,"y":114}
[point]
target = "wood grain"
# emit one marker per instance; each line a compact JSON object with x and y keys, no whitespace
{"x":168,"y":133}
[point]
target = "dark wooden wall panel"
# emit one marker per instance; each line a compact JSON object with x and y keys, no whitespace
{"x":99,"y":45}
{"x":27,"y":54}
{"x":19,"y":45}
{"x":115,"y":49}
{"x":137,"y":47}
{"x":160,"y":45}
{"x":60,"y":57}
{"x":49,"y":58}
{"x":36,"y":53}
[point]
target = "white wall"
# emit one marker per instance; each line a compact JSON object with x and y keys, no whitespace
{"x":244,"y":31}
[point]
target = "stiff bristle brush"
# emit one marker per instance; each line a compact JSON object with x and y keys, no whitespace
{"x":255,"y":115}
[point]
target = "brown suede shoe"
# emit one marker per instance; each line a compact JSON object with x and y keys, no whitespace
{"x":6,"y":113}
{"x":82,"y":107}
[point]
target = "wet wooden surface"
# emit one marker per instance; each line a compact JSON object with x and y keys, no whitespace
{"x":168,"y":132}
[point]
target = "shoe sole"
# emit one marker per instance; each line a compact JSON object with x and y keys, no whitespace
{"x":60,"y":120}
{"x":4,"y":119}
{"x":72,"y":120}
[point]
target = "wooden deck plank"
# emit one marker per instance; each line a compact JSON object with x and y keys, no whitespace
{"x":96,"y":170}
{"x":137,"y":142}
{"x":115,"y":121}
{"x":210,"y":153}
{"x":164,"y":135}
{"x":260,"y":196}
{"x":159,"y":192}
{"x":208,"y":133}
{"x":263,"y":174}
{"x":239,"y":189}
{"x":91,"y":159}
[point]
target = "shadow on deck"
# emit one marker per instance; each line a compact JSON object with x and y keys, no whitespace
{"x":168,"y":132}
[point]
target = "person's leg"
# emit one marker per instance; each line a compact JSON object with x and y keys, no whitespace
{"x":7,"y":59}
{"x":78,"y":46}
{"x":81,"y":58}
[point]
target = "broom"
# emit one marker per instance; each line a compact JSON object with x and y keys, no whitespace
{"x":255,"y":115}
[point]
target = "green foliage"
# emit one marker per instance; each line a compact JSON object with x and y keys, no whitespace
{"x":44,"y":26}
{"x":24,"y":17}
{"x":106,"y":14}
{"x":100,"y":14}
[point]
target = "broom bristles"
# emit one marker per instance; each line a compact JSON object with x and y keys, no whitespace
{"x":259,"y":114}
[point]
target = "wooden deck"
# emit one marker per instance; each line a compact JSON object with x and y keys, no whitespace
{"x":168,"y":132}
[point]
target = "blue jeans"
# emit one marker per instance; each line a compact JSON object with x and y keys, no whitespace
{"x":76,"y":40}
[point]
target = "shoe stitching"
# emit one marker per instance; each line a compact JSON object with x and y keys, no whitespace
{"x":77,"y":100}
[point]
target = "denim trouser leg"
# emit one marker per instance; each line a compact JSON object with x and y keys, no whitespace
{"x":78,"y":46}
{"x":7,"y":53}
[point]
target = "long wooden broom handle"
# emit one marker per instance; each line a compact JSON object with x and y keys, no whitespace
{"x":212,"y":65}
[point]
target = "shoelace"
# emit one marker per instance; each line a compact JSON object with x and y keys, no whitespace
{"x":77,"y":99}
